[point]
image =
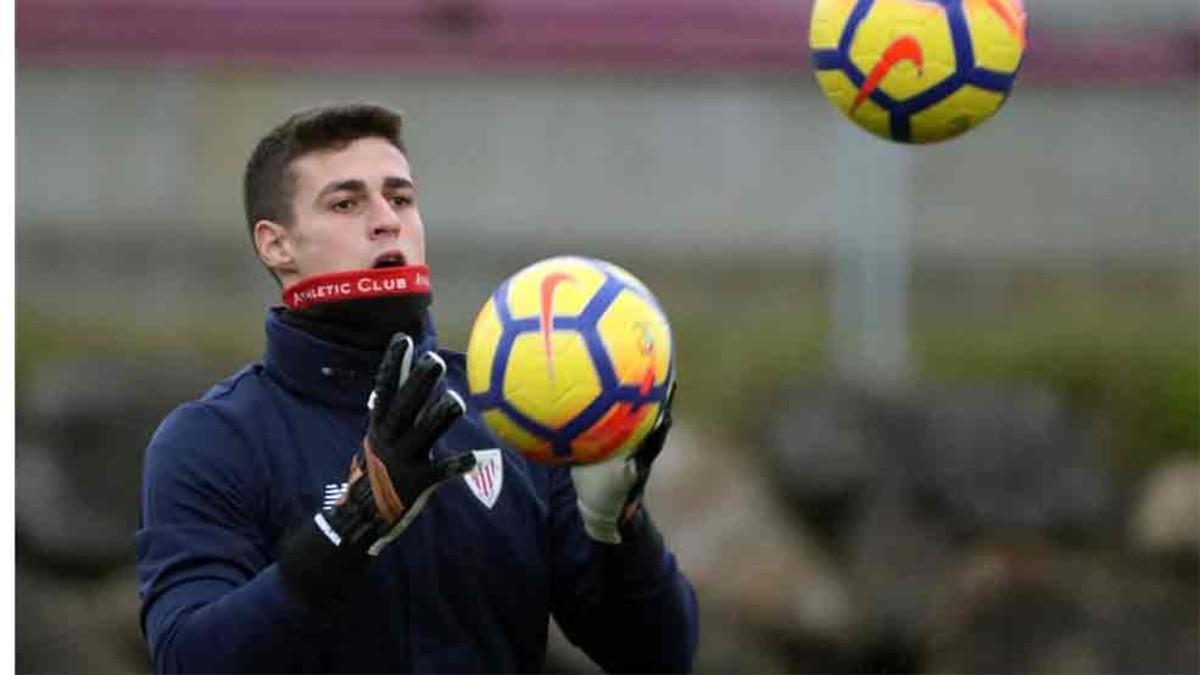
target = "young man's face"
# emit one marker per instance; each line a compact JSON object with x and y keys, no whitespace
{"x":353,"y":208}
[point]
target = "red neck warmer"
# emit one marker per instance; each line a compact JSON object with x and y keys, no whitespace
{"x":361,"y":308}
{"x":357,"y":284}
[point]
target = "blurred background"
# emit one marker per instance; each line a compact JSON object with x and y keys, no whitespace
{"x":940,"y":406}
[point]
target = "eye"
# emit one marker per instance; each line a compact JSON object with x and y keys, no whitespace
{"x":342,"y":205}
{"x":402,"y":200}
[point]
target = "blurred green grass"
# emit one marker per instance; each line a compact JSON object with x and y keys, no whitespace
{"x":203,"y":341}
{"x":1130,"y":367}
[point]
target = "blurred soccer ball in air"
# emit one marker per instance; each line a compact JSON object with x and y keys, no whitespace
{"x":917,"y":71}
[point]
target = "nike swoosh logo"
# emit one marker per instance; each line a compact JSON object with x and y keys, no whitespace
{"x":546,"y":319}
{"x":904,"y":48}
{"x":1014,"y":20}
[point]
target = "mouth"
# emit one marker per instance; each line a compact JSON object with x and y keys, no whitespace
{"x":389,"y":259}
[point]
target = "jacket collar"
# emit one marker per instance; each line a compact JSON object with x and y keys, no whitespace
{"x":331,"y":373}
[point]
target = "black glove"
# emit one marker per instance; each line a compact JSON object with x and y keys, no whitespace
{"x":404,"y":425}
{"x":390,"y":480}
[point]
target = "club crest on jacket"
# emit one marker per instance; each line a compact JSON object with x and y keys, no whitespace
{"x":487,"y":478}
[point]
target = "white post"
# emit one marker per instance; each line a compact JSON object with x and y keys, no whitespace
{"x":869,"y":303}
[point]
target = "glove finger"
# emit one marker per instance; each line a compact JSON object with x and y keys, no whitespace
{"x":445,"y":469}
{"x":433,"y":422}
{"x":652,"y":445}
{"x":670,"y":402}
{"x":427,"y":476}
{"x":413,"y":394}
{"x":397,"y":361}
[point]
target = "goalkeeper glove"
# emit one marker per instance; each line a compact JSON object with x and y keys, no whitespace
{"x":390,"y":480}
{"x":610,"y":492}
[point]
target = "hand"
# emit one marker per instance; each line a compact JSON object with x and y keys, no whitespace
{"x":393,"y":475}
{"x":390,"y":480}
{"x":610,"y":492}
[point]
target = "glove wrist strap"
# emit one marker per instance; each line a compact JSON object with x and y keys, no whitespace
{"x":320,"y":559}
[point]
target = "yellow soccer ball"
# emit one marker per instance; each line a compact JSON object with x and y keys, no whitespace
{"x":917,"y":71}
{"x":570,"y":361}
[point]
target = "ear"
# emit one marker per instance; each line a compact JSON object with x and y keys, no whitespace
{"x":274,"y":245}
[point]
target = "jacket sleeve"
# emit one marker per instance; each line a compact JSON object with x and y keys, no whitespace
{"x":212,"y":601}
{"x":628,"y":606}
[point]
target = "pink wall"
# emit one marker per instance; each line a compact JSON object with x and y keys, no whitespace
{"x":650,"y":34}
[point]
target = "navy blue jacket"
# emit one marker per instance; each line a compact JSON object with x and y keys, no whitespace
{"x":466,"y":588}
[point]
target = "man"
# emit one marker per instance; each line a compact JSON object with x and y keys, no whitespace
{"x":310,"y":512}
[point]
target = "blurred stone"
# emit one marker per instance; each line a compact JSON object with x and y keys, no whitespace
{"x":59,"y":527}
{"x":82,"y":427}
{"x":898,"y":564}
{"x":969,"y":458}
{"x":899,"y":480}
{"x":1166,"y":519}
{"x":77,"y":626}
{"x":1006,"y":457}
{"x":820,"y":450}
{"x":1027,"y":605}
{"x":1144,"y":622}
{"x":727,"y":646}
{"x":750,"y":562}
{"x":1005,"y":610}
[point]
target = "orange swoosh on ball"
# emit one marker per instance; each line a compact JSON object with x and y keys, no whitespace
{"x":546,"y":319}
{"x":1011,"y":19}
{"x":904,"y":48}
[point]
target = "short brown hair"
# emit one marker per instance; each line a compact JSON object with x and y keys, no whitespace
{"x":269,"y":184}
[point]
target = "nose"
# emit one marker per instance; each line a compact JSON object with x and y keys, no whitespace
{"x":385,"y":222}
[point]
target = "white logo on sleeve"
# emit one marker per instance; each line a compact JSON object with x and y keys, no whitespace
{"x":487,"y":478}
